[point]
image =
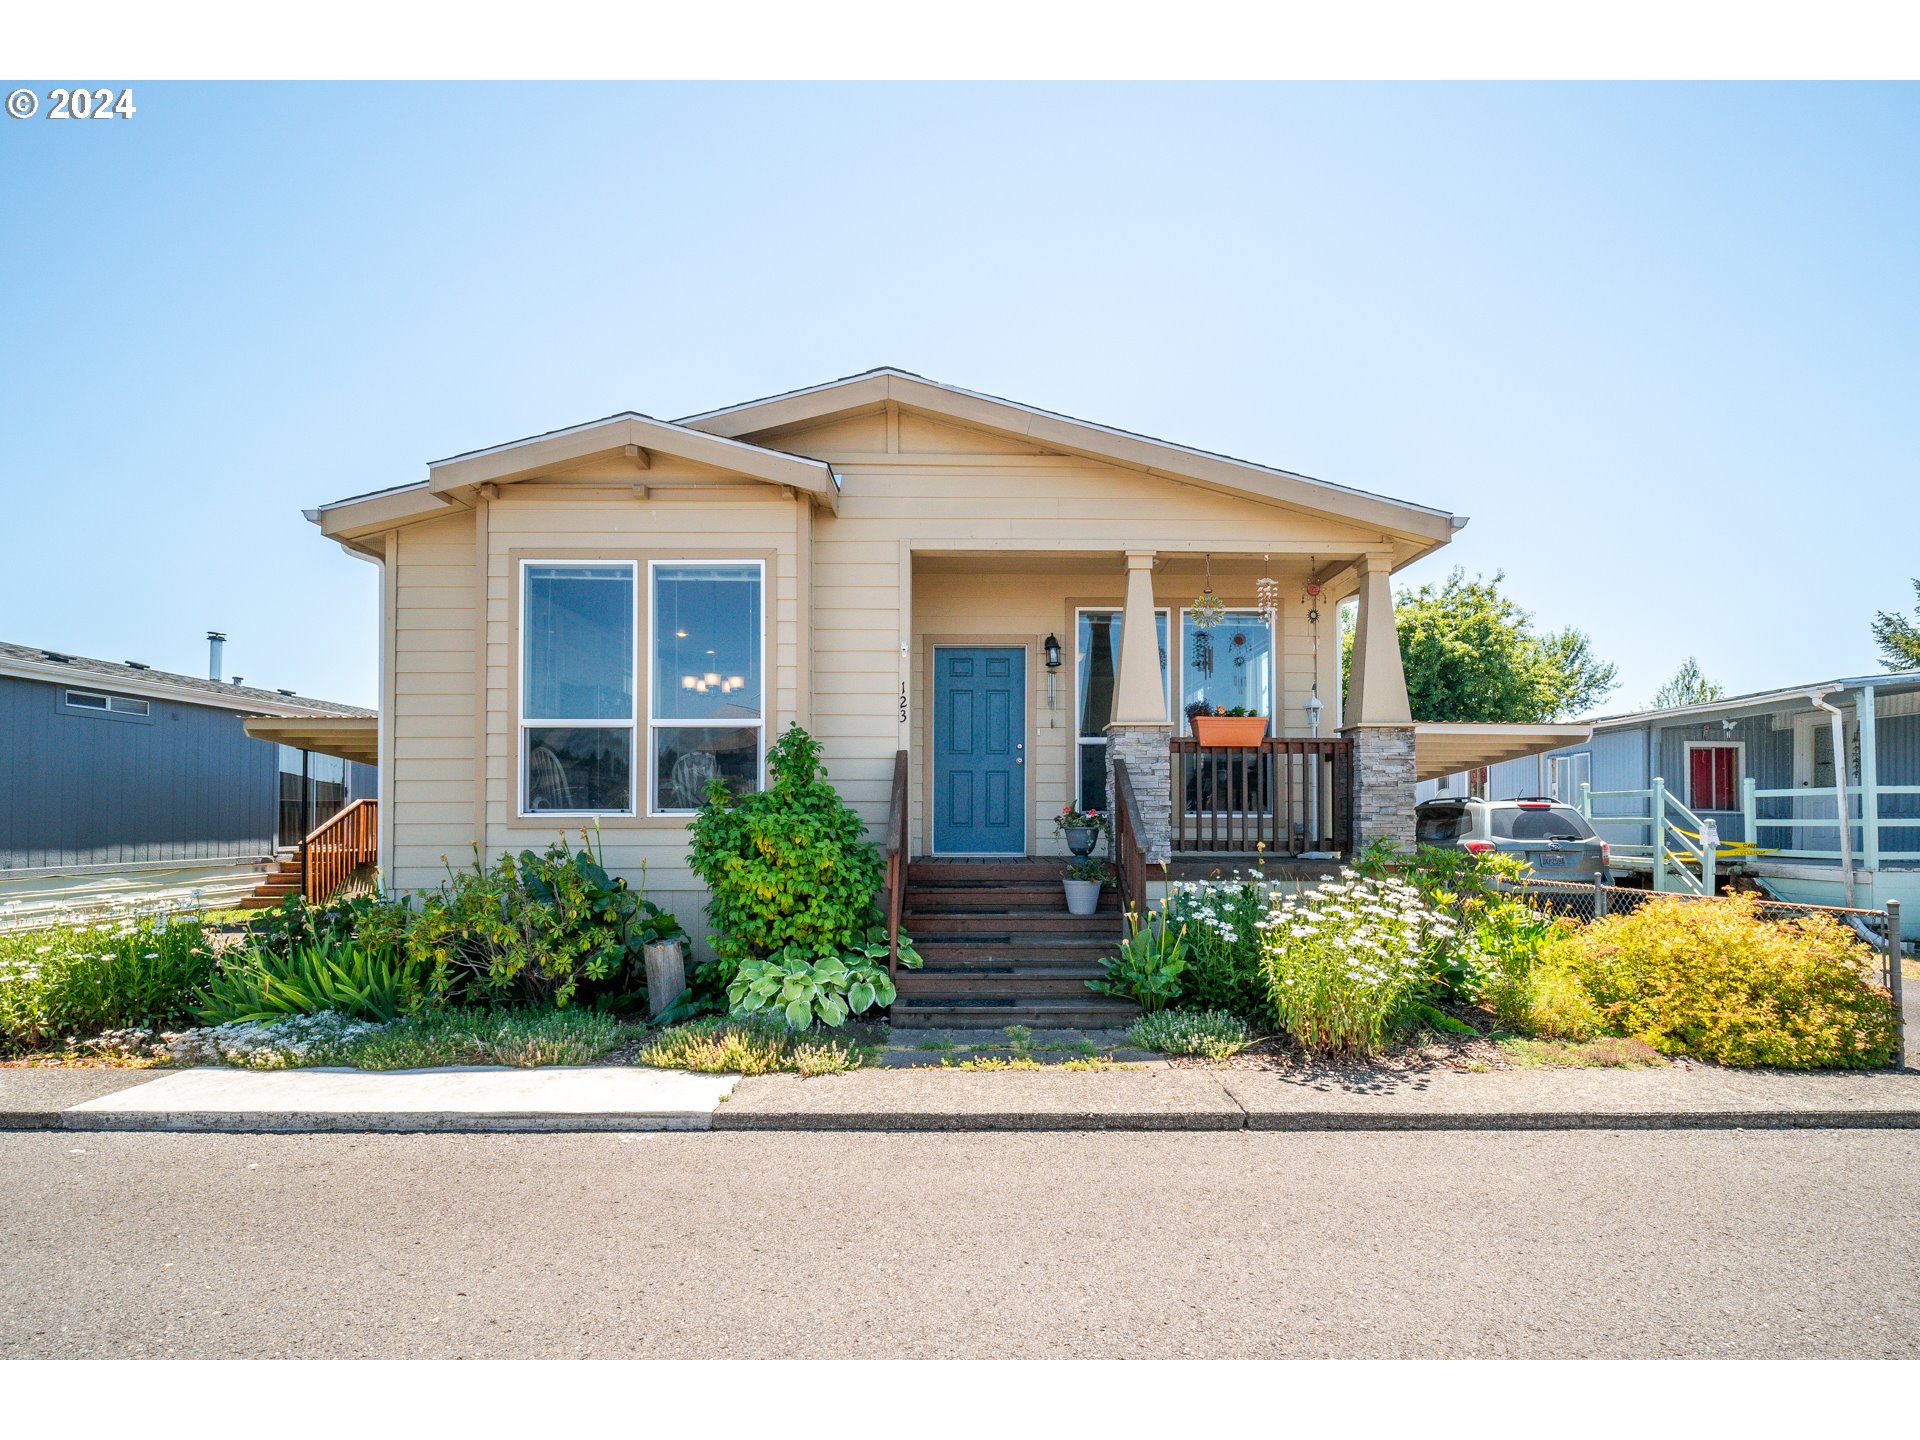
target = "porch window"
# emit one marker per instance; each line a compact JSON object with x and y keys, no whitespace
{"x":707,"y":716}
{"x":576,"y":688}
{"x":1229,"y":666}
{"x":1096,"y":660}
{"x":1713,"y":775}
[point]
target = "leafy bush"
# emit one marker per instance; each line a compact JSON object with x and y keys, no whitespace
{"x":1716,"y":981}
{"x":1151,"y":960}
{"x":1222,"y":920}
{"x":539,"y":929}
{"x":752,"y":1046}
{"x":294,"y":924}
{"x":1541,"y":999}
{"x":143,"y":971}
{"x":828,"y":988}
{"x":785,"y":867}
{"x":1349,"y":964}
{"x":1212,"y":1033}
{"x":360,"y":981}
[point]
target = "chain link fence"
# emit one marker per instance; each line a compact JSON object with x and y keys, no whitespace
{"x":1878,"y":929}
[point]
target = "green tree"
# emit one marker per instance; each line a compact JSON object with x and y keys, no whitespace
{"x":1898,"y":637}
{"x":1472,"y":654}
{"x":1687,"y":687}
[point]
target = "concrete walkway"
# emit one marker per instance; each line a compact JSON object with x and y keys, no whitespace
{"x":1148,"y":1097}
{"x":491,"y":1098}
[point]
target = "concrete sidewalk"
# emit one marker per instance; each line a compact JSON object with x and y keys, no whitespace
{"x":1149,"y":1097}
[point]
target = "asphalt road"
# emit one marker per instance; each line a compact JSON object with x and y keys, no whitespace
{"x":1240,"y":1244}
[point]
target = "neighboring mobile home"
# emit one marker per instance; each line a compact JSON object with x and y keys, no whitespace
{"x":125,"y":782}
{"x":977,"y":606}
{"x":1760,"y":768}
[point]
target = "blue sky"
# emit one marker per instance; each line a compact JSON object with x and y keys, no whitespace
{"x":1657,"y":341}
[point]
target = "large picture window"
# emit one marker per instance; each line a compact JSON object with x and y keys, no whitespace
{"x":576,"y":688}
{"x":1228,"y":665}
{"x":1096,"y":662}
{"x":707,"y":707}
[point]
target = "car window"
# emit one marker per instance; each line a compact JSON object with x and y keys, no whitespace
{"x":1546,"y":822}
{"x":1441,"y":825}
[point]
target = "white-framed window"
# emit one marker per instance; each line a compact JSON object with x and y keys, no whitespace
{"x":1566,"y":774}
{"x":578,"y":619}
{"x":1229,"y":666}
{"x":99,"y":703}
{"x":707,"y":701}
{"x":1096,"y":668}
{"x":1714,"y":768}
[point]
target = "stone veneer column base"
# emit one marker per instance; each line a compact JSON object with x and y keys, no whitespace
{"x":1382,"y":784}
{"x":1150,"y":768}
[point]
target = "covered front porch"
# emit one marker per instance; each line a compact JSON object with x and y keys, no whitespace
{"x":1032,"y":679}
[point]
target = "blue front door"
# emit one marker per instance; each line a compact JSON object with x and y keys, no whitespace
{"x":979,"y":750}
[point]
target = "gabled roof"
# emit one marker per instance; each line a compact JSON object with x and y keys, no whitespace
{"x":1075,"y":436}
{"x":29,"y":662}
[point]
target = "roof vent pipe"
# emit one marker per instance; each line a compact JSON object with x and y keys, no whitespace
{"x":216,"y":650}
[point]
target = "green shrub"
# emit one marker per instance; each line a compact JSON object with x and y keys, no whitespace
{"x":752,"y":1046}
{"x":1212,"y":1033}
{"x":1714,"y":980}
{"x":1151,"y":961}
{"x":786,"y":867}
{"x":1222,"y":920}
{"x":362,"y":919}
{"x":1348,"y":964}
{"x":1544,"y":1000}
{"x":801,"y":988}
{"x":537,"y":929}
{"x":141,"y":972}
{"x":360,"y":981}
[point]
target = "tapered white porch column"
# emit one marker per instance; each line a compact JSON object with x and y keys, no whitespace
{"x":1377,"y":686}
{"x":1378,"y":719}
{"x":1141,"y":731}
{"x":1138,"y":696}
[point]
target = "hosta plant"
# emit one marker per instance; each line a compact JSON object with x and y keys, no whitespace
{"x":826,"y":988}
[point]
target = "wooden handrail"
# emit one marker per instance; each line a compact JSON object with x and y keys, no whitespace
{"x":336,"y":848}
{"x":895,"y":847}
{"x":1129,"y":851}
{"x":1283,"y":796}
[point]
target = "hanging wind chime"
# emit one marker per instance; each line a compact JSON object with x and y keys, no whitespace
{"x":1311,"y":599}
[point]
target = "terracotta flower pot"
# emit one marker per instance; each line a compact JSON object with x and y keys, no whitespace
{"x":1229,"y":729}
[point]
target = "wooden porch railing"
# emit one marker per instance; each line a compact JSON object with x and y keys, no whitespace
{"x":338,"y":847}
{"x":894,"y":846}
{"x":1289,"y":796}
{"x":1129,"y":851}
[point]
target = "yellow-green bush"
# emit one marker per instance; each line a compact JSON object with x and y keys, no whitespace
{"x":1717,"y":982}
{"x":1545,"y":1000}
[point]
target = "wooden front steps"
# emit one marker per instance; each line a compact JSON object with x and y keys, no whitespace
{"x":1000,"y":949}
{"x":278,"y":883}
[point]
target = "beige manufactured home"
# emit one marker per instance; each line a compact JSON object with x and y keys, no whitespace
{"x":992,"y":602}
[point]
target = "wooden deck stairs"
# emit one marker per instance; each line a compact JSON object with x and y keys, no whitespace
{"x":1000,"y":949}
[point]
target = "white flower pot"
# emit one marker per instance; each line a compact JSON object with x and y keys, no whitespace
{"x":1083,"y":896}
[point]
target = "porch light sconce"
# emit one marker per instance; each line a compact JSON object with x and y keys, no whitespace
{"x":1314,"y":707}
{"x":1052,"y":648}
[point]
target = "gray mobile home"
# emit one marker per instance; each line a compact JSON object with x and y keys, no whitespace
{"x":119,"y":781}
{"x":1758,"y":771}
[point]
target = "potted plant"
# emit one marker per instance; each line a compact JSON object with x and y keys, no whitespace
{"x":1083,"y":881}
{"x":1082,"y":828}
{"x":1221,"y":726}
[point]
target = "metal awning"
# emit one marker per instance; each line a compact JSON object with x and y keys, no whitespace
{"x":351,"y":737}
{"x":1445,"y":748}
